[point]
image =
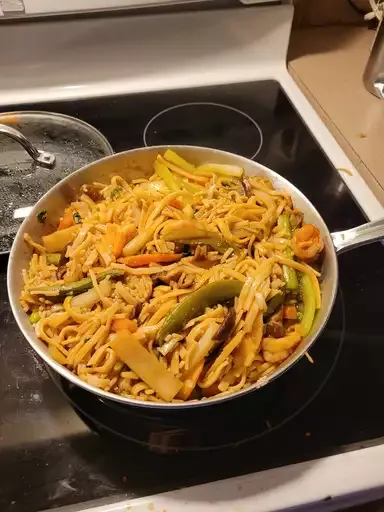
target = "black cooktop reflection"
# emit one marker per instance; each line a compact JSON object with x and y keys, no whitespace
{"x":208,"y":124}
{"x":250,"y":418}
{"x":49,"y":457}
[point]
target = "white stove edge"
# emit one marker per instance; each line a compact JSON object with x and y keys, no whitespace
{"x":259,"y":37}
{"x":326,"y":484}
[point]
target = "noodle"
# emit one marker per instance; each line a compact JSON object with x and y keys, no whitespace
{"x":127,"y":283}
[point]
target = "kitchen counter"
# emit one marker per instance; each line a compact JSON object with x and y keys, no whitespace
{"x":328,"y":63}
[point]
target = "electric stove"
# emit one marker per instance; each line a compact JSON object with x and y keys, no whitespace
{"x":60,"y":445}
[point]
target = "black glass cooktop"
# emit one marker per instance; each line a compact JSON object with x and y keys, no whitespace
{"x":60,"y":445}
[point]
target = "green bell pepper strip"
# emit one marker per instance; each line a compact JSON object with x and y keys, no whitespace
{"x":309,"y":304}
{"x":289,"y":273}
{"x":77,"y":286}
{"x":195,"y":304}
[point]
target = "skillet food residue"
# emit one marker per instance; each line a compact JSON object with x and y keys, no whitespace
{"x":194,"y":283}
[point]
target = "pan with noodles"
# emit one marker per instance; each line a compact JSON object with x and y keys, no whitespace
{"x":173,"y":277}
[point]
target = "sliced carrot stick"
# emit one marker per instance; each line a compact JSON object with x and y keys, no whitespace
{"x":190,"y":381}
{"x":290,"y":312}
{"x":67,"y":219}
{"x":123,"y":236}
{"x":176,"y":204}
{"x":141,"y":260}
{"x":121,"y":324}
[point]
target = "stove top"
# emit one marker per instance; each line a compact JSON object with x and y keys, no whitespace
{"x":60,"y":445}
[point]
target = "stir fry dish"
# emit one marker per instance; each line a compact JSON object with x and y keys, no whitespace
{"x":194,"y":283}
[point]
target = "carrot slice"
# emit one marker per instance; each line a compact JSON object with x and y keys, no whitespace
{"x":141,"y":260}
{"x":67,"y":220}
{"x":121,"y":324}
{"x":290,"y":312}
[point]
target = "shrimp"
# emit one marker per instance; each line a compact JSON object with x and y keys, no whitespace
{"x":307,"y":243}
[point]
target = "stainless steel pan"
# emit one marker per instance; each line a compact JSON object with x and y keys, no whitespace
{"x":137,"y":164}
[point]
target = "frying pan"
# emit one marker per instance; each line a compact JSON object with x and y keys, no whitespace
{"x":138,"y":163}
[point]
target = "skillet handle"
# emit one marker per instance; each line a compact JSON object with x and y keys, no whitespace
{"x":356,"y":237}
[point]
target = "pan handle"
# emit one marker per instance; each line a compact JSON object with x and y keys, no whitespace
{"x":356,"y":237}
{"x":42,"y":158}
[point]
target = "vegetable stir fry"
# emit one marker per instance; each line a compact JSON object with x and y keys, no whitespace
{"x":193,"y":283}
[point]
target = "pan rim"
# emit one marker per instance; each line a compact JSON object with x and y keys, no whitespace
{"x":176,"y":406}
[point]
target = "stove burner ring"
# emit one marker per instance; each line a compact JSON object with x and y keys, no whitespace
{"x":245,"y":116}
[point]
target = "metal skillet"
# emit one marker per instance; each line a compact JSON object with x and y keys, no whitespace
{"x":135,"y":164}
